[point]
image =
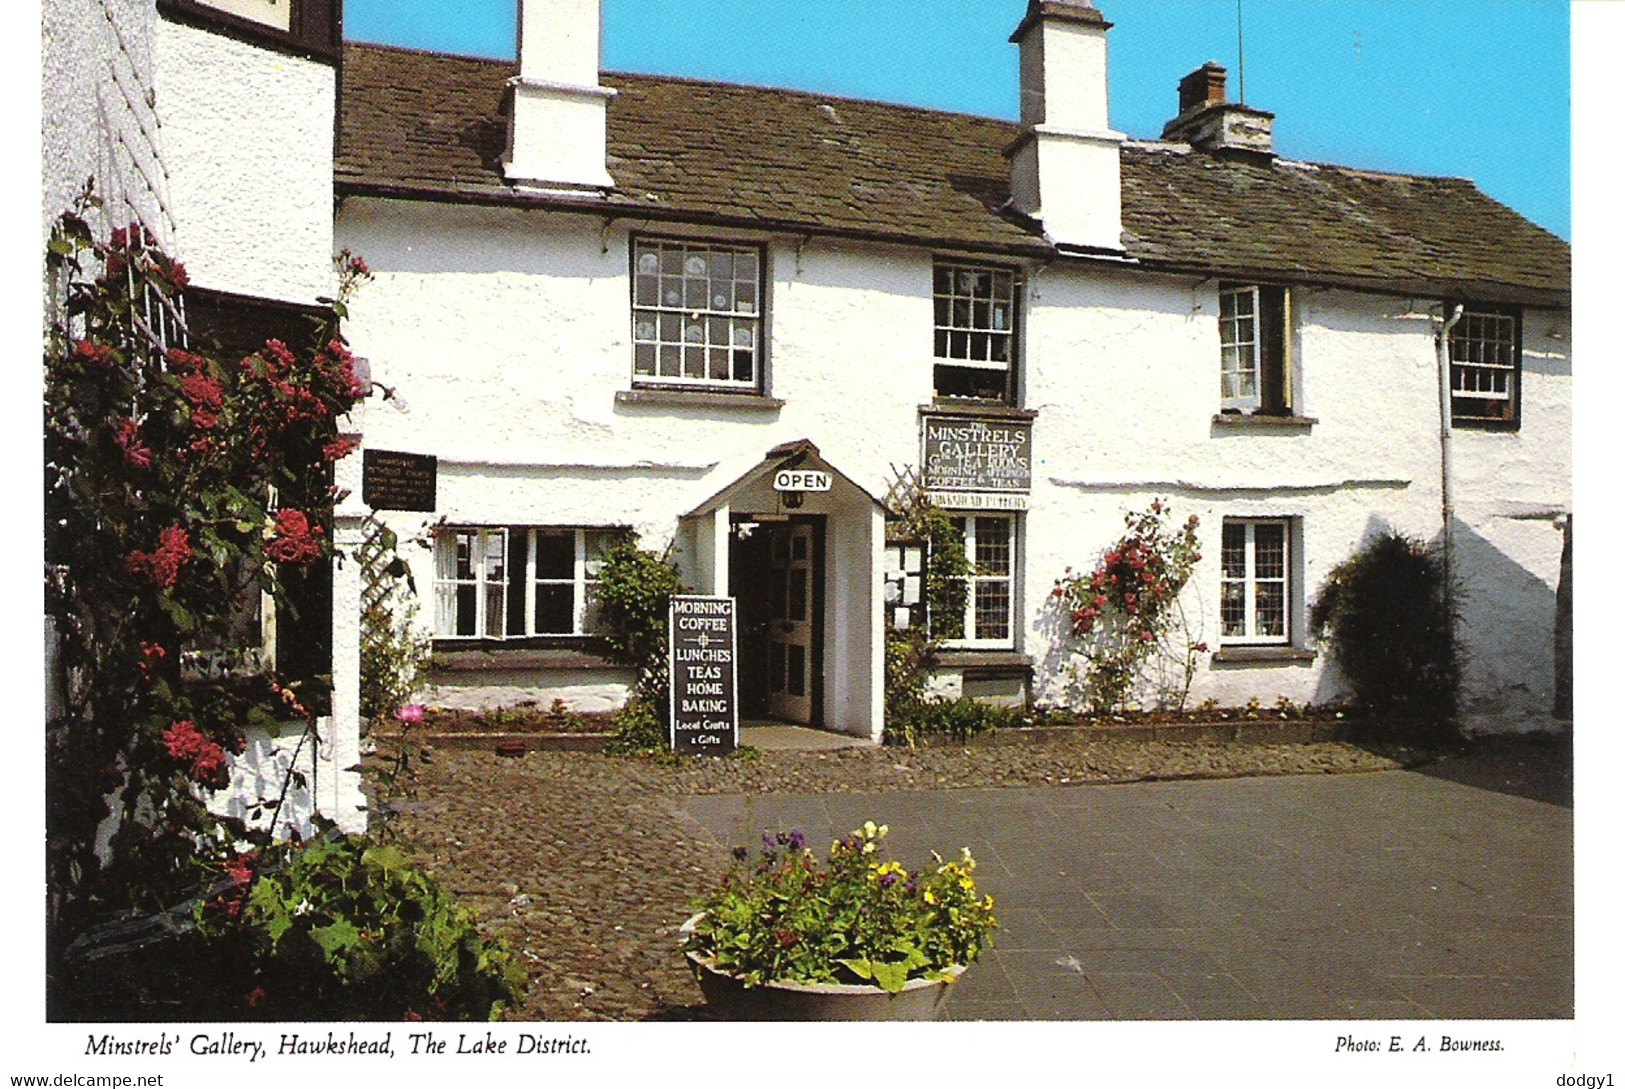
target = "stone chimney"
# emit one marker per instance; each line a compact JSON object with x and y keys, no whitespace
{"x":556,"y":127}
{"x":1064,"y":167}
{"x":1209,"y":123}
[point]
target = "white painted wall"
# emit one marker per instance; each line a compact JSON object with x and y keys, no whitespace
{"x":248,"y":136}
{"x":507,"y":335}
{"x":96,"y":120}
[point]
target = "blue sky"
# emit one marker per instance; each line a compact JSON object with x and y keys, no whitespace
{"x":1474,"y":89}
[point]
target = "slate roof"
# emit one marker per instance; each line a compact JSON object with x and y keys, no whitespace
{"x":429,"y":126}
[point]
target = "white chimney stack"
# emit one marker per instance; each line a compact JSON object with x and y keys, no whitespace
{"x":556,"y":132}
{"x":1064,"y":168}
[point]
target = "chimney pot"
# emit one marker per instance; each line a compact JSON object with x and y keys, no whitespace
{"x":1209,"y":122}
{"x":1203,"y":87}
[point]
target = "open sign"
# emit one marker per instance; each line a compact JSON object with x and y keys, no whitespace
{"x":801,"y":480}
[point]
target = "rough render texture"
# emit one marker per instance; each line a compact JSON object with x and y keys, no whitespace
{"x":507,"y":334}
{"x":248,"y":138}
{"x":96,"y":120}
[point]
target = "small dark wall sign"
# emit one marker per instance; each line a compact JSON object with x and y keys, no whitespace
{"x":396,"y":481}
{"x":703,"y":639}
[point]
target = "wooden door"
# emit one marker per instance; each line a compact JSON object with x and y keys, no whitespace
{"x":790,"y":651}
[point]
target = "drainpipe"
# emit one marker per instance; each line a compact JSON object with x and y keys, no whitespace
{"x":1446,"y":510}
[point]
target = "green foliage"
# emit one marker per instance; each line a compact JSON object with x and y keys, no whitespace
{"x":640,"y":727}
{"x":350,"y":928}
{"x":860,"y":919}
{"x":959,"y":719}
{"x":1126,"y":610}
{"x":394,"y":654}
{"x":635,"y":588}
{"x":1386,"y":613}
{"x":909,"y":652}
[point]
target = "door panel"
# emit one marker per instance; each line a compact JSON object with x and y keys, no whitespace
{"x":790,"y":586}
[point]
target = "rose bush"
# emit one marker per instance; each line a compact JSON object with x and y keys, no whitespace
{"x":1127,"y":608}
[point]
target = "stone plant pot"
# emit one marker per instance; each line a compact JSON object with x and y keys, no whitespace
{"x":730,"y":1000}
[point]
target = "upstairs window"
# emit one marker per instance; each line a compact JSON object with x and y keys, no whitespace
{"x":1485,"y":357}
{"x":516,"y":581}
{"x":1254,"y":350}
{"x":975,"y":331}
{"x":696,"y":315}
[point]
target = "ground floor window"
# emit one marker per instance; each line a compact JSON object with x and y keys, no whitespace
{"x":1255,"y":593}
{"x":989,"y":594}
{"x":515,"y":581}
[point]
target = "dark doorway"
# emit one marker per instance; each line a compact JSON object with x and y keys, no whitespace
{"x":776,"y":573}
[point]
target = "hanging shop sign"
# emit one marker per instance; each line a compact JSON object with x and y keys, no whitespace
{"x":703,"y":640}
{"x":964,"y":454}
{"x":801,"y":480}
{"x":391,"y":480}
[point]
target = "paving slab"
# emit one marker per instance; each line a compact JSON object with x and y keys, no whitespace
{"x":1402,"y":894}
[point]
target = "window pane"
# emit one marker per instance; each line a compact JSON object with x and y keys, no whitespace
{"x":993,"y":609}
{"x":1269,"y":551}
{"x":797,"y":609}
{"x":555,"y":608}
{"x":1233,"y":608}
{"x":555,"y":555}
{"x":1233,"y":553}
{"x":1271,"y":615}
{"x":992,"y":546}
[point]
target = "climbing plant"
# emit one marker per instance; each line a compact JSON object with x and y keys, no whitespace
{"x":179,"y":488}
{"x":1126,"y":610}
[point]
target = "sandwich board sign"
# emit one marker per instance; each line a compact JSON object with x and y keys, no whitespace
{"x":703,"y":639}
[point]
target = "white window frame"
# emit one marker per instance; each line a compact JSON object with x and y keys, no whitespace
{"x":1250,"y":581}
{"x":971,"y":344}
{"x":663,"y":327}
{"x":584,"y":577}
{"x":1485,"y":332}
{"x":1248,"y":353}
{"x":976,"y":579}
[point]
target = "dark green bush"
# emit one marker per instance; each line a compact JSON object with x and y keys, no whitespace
{"x":1385,"y":612}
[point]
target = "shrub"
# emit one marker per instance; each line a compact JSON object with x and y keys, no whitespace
{"x":1386,"y":613}
{"x":350,"y":928}
{"x":635,"y":588}
{"x":640,"y":727}
{"x":960,"y":719}
{"x":860,"y":919}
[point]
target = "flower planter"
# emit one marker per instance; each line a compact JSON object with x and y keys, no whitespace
{"x":730,"y":1000}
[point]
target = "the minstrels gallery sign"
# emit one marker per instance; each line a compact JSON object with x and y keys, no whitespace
{"x":704,"y":681}
{"x":977,"y":464}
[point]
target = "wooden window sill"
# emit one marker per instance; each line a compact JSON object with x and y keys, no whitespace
{"x":958,"y":407}
{"x":1263,"y":654}
{"x":684,"y":398}
{"x":1243,"y":422}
